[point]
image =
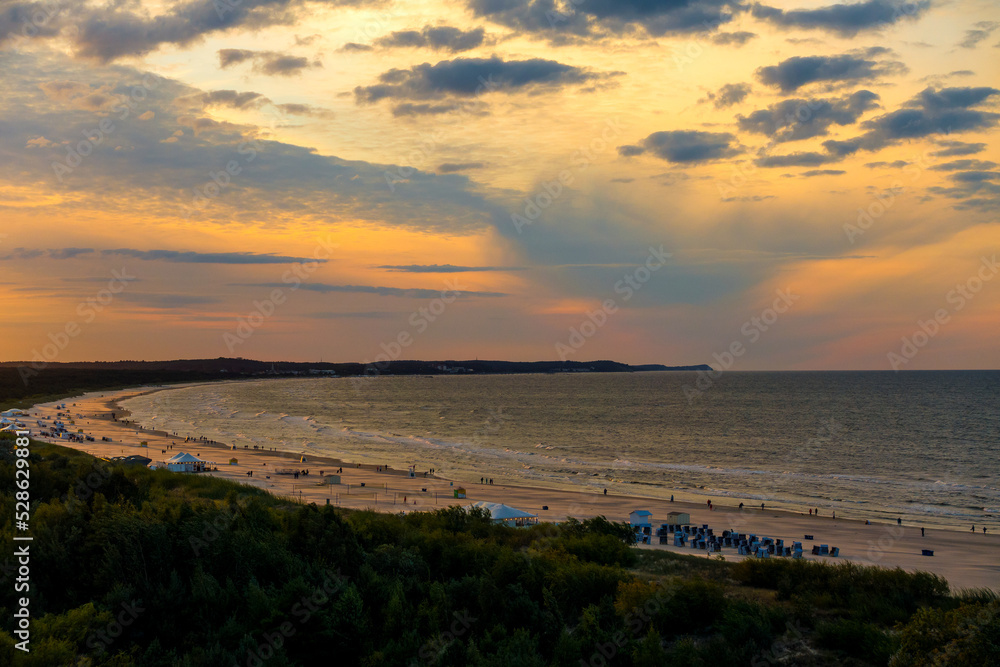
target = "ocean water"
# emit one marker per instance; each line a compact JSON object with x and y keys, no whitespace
{"x":924,"y":446}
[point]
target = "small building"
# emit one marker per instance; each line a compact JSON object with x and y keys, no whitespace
{"x":678,"y":518}
{"x":183,"y":462}
{"x":234,"y":462}
{"x":641,"y":519}
{"x":460,"y":492}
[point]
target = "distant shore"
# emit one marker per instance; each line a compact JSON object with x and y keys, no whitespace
{"x":965,"y":559}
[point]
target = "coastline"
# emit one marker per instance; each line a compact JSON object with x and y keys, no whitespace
{"x":964,"y":560}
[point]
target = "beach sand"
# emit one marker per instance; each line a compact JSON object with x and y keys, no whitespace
{"x":965,"y":559}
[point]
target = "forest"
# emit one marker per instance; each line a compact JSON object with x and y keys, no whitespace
{"x":131,"y":566}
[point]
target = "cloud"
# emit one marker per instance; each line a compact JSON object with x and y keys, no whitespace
{"x":808,"y":159}
{"x":846,"y":20}
{"x":982,"y":30}
{"x":367,"y":314}
{"x":956,"y":165}
{"x":165,"y":301}
{"x":797,"y":119}
{"x":108,"y":35}
{"x":895,"y":164}
{"x":686,"y":146}
{"x":729,"y":94}
{"x":956,"y":148}
{"x":355,"y":47}
{"x":441,"y":38}
{"x":735,"y":38}
{"x":466,"y":77}
{"x":932,"y":111}
{"x":411,"y":109}
{"x":191,"y":257}
{"x":405,"y":292}
{"x":445,"y":268}
{"x":822,"y":172}
{"x":563,"y":21}
{"x":51,"y":253}
{"x":791,"y":74}
{"x":231,"y":98}
{"x":270,"y":63}
{"x":451,"y":167}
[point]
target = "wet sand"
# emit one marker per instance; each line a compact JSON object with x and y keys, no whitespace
{"x":965,"y":559}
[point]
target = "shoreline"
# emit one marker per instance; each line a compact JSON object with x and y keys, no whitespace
{"x":968,"y":561}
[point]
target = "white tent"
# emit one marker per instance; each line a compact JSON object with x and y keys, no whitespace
{"x":183,"y":462}
{"x":505,"y":514}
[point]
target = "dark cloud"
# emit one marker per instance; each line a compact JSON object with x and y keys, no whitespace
{"x":846,"y":20}
{"x":165,"y":301}
{"x":976,"y":176}
{"x":957,"y":165}
{"x":442,"y":38}
{"x":895,"y":164}
{"x":797,"y":119}
{"x":367,"y":314}
{"x":354,"y":46}
{"x":729,"y":94}
{"x":809,"y":159}
{"x":295,"y":109}
{"x":982,"y":30}
{"x":932,"y":111}
{"x":231,"y":98}
{"x":452,"y":167}
{"x":956,"y":148}
{"x":738,"y":38}
{"x":445,"y":268}
{"x":51,"y":253}
{"x":405,"y":292}
{"x":191,"y":257}
{"x":270,"y":63}
{"x":791,"y":74}
{"x":107,"y":35}
{"x":561,"y":21}
{"x":424,"y":109}
{"x":466,"y":77}
{"x":823,"y":172}
{"x":686,"y":146}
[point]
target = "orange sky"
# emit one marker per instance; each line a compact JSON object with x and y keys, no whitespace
{"x":302,"y":180}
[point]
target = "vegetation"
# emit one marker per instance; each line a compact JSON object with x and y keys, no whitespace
{"x":138,"y":567}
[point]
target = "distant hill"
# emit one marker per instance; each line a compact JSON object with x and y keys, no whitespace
{"x":24,"y":383}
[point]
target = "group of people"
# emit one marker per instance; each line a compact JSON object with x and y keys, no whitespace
{"x":489,"y":480}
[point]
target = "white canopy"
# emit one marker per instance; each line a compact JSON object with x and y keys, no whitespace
{"x":501,"y":512}
{"x":183,"y":457}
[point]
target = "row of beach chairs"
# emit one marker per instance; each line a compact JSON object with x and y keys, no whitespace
{"x":704,"y":538}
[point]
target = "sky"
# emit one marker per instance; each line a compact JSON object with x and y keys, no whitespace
{"x":784,"y":185}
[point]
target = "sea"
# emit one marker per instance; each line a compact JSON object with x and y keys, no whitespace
{"x":921,"y":446}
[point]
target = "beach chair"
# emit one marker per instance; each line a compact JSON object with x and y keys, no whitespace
{"x":664,"y":539}
{"x":926,"y":552}
{"x":797,"y":553}
{"x":824,"y":550}
{"x":835,"y":551}
{"x":815,"y":550}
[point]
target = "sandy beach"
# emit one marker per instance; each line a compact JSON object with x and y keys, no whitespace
{"x":965,"y":559}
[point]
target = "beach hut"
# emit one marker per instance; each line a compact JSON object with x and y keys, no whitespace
{"x":234,"y":462}
{"x":460,"y":492}
{"x":641,"y":519}
{"x":183,"y":462}
{"x":678,"y":517}
{"x":505,"y":514}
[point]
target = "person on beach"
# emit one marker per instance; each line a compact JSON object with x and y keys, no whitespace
{"x":834,"y":515}
{"x":973,"y":527}
{"x":810,"y":511}
{"x":921,"y":531}
{"x":899,"y":521}
{"x":741,"y":505}
{"x":984,"y":530}
{"x":762,"y":507}
{"x":605,"y":492}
